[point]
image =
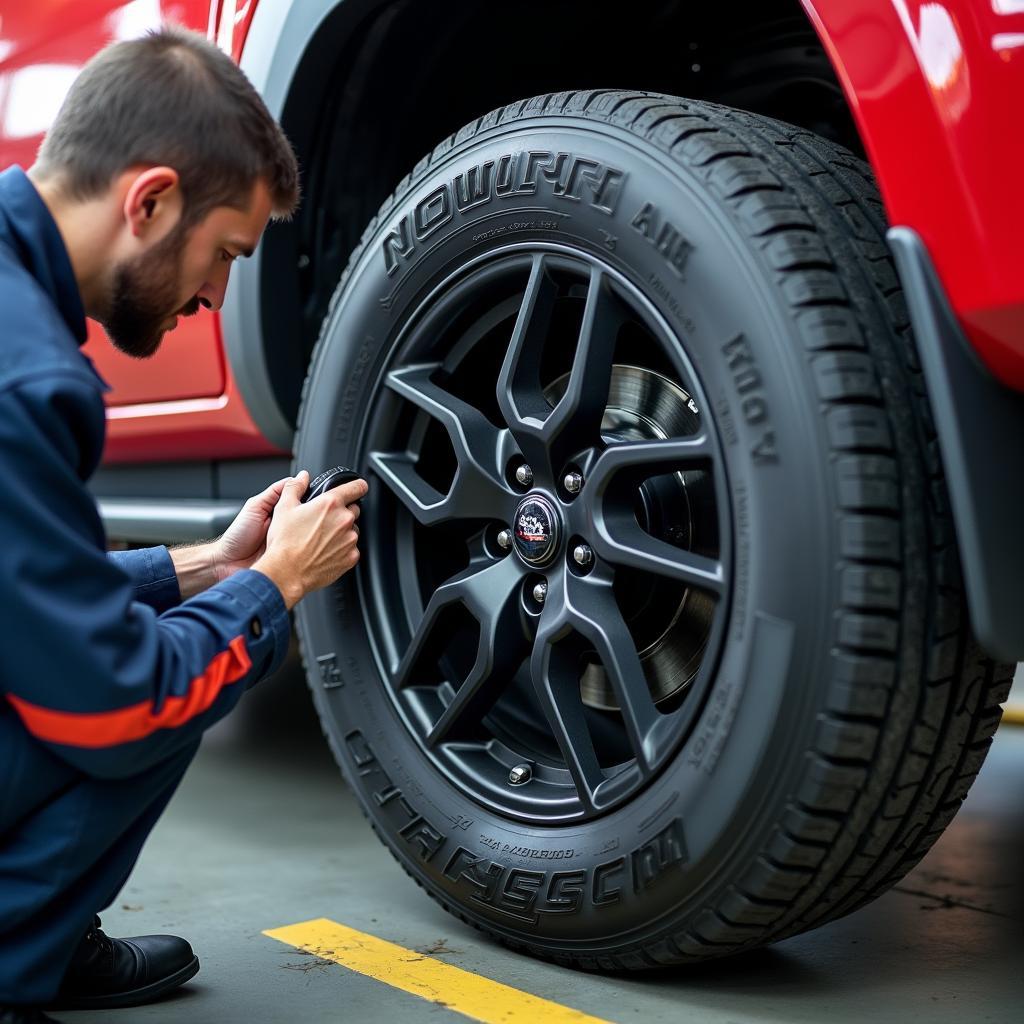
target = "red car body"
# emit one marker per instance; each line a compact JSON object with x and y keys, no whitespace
{"x":182,"y":403}
{"x":934,"y":88}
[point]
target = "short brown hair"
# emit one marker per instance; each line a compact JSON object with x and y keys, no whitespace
{"x":170,"y":98}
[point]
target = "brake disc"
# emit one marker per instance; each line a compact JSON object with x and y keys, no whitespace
{"x":669,"y":622}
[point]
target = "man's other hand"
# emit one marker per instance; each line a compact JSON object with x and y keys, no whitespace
{"x":245,"y":540}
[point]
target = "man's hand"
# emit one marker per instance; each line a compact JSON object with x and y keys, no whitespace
{"x":199,"y":566}
{"x":308,"y":546}
{"x":245,"y":540}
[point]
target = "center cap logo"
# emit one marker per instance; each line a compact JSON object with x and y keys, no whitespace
{"x":536,"y":530}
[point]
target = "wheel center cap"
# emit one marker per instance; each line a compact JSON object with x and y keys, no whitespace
{"x":536,"y":530}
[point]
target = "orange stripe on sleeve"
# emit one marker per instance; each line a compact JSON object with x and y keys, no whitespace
{"x":94,"y":729}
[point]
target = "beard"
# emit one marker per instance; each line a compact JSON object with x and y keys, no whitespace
{"x":145,"y":295}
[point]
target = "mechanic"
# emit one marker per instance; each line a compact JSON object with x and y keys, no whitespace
{"x":163,"y":166}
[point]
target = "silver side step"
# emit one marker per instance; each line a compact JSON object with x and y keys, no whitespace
{"x":166,"y":522}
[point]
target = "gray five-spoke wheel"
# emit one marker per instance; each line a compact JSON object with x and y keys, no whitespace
{"x":558,"y":511}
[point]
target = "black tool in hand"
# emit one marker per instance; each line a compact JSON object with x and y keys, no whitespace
{"x":329,"y":479}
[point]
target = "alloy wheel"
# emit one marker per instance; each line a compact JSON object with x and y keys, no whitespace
{"x":549,"y":567}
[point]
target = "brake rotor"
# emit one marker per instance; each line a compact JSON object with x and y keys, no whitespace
{"x":669,"y":622}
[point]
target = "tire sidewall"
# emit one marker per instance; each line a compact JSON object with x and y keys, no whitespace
{"x":678,"y":843}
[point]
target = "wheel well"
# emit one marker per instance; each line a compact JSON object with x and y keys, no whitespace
{"x":379,"y":86}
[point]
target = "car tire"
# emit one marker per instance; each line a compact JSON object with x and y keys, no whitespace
{"x":759,"y":702}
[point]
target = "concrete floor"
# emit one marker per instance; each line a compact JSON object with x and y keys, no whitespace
{"x":262,"y":834}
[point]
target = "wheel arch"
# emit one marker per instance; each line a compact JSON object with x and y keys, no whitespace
{"x":335,"y":72}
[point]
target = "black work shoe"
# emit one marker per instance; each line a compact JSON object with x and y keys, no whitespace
{"x":106,"y":972}
{"x":24,"y":1015}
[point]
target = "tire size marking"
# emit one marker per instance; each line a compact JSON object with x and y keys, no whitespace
{"x":709,"y":741}
{"x":746,"y":378}
{"x":725,"y":421}
{"x":515,"y":225}
{"x":664,"y":236}
{"x":354,"y":392}
{"x":741,"y":507}
{"x":665,"y":294}
{"x":528,"y":852}
{"x":768,"y":658}
{"x":568,"y":177}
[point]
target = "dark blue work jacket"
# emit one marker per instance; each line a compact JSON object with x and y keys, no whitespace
{"x":101,"y":663}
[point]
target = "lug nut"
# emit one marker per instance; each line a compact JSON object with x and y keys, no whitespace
{"x":524,"y":475}
{"x":582,"y":555}
{"x":540,"y":591}
{"x":573,"y":482}
{"x":520,"y":774}
{"x":505,"y":539}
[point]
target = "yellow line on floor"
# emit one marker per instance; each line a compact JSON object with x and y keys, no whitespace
{"x":1013,"y":714}
{"x":425,"y":976}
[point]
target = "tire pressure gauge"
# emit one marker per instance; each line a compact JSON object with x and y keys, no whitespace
{"x":329,"y":479}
